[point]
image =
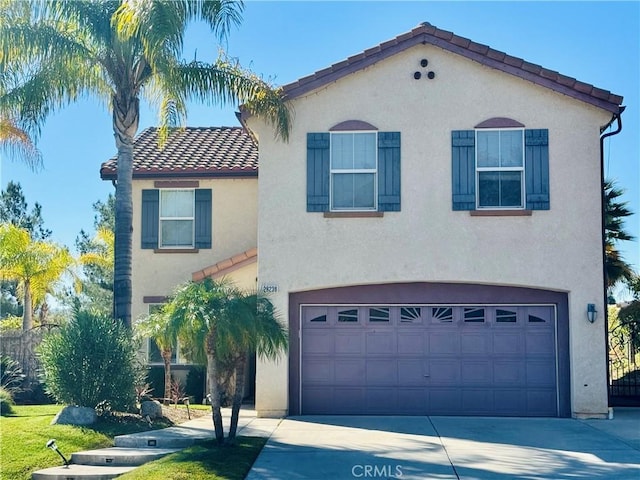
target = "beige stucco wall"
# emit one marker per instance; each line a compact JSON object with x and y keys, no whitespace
{"x":234,"y":230}
{"x":558,"y":249}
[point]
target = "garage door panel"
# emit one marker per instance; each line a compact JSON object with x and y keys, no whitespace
{"x":411,"y":343}
{"x":475,"y":343}
{"x":540,"y":343}
{"x":541,"y":374}
{"x":444,"y":372}
{"x":381,"y":343}
{"x":350,"y":371}
{"x":319,"y":371}
{"x":477,"y":372}
{"x":477,"y":401}
{"x":541,"y":402}
{"x":349,"y":399}
{"x":412,"y":371}
{"x":509,"y":373}
{"x":433,"y":360}
{"x":381,"y":400}
{"x":317,"y":399}
{"x":444,"y":343}
{"x":349,"y":342}
{"x":318,"y":342}
{"x":382,"y":372}
{"x":509,"y":401}
{"x":445,"y":401}
{"x":412,"y":401}
{"x":508,"y":343}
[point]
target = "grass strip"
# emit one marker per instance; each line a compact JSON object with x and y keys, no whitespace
{"x":206,"y":460}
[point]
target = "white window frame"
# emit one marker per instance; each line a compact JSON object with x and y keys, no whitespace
{"x":333,"y":171}
{"x":192,"y":218}
{"x":520,"y":169}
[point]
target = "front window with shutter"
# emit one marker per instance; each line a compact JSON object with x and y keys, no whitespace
{"x":354,"y":164}
{"x":177,"y":218}
{"x":500,"y":168}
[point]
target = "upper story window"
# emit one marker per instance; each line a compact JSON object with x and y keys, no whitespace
{"x":354,"y":164}
{"x":353,"y":168}
{"x":500,"y":168}
{"x":177,"y":218}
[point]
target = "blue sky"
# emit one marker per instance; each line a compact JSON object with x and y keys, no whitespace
{"x":595,"y":42}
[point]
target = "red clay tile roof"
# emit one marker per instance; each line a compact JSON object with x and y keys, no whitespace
{"x":426,"y":33}
{"x":227,"y":266}
{"x":194,"y":152}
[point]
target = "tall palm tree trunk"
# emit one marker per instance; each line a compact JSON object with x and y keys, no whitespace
{"x":212,"y":378}
{"x":166,"y":357}
{"x":238,"y":394}
{"x":27,"y":309}
{"x":126,"y":114}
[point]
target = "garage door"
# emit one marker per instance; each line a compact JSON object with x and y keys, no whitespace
{"x":429,"y":360}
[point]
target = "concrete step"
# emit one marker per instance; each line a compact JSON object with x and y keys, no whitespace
{"x":120,"y":456}
{"x":172,"y":437}
{"x":77,"y":472}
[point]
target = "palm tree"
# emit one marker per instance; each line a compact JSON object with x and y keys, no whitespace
{"x":17,"y":142}
{"x":256,"y":330}
{"x":615,"y":213}
{"x":230,"y":324}
{"x":36,"y":265}
{"x":117,"y":51}
{"x":158,"y":328}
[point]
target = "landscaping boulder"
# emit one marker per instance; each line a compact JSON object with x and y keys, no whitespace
{"x":152,"y":408}
{"x":73,"y":415}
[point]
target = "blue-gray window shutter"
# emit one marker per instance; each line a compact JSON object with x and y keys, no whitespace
{"x":389,"y":171}
{"x":150,"y":218}
{"x":203,"y":218}
{"x":536,"y":166}
{"x":318,"y":172}
{"x":463,"y":169}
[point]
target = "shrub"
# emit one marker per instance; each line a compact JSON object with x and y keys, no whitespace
{"x":11,"y":376}
{"x":91,"y":359}
{"x":195,"y":383}
{"x":6,"y":402}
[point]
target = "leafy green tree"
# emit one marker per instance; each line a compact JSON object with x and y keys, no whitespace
{"x":119,"y":51}
{"x":89,"y":360}
{"x":15,"y":210}
{"x":231,"y":324}
{"x":615,"y":213}
{"x":37,"y":266}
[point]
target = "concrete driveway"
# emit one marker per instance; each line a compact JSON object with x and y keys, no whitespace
{"x":348,"y":447}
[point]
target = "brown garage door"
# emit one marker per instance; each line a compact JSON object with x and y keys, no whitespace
{"x":429,"y":359}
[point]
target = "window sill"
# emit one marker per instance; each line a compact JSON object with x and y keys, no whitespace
{"x":500,"y":213}
{"x":176,"y":250}
{"x":353,"y":214}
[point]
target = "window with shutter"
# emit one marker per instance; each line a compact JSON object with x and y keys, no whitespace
{"x":353,"y":171}
{"x":176,"y":218}
{"x":500,"y":169}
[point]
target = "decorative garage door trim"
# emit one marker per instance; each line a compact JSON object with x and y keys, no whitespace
{"x":462,"y":299}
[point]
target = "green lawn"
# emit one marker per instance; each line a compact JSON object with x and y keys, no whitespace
{"x":205,"y":461}
{"x":23,"y":437}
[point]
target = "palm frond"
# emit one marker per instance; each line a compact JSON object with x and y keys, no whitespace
{"x":227,"y":83}
{"x":17,"y":143}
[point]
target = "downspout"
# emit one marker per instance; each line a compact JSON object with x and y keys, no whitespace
{"x":616,"y":117}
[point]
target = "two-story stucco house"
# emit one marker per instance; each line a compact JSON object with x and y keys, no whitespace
{"x":432,"y":235}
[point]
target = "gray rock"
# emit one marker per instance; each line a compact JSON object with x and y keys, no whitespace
{"x":151,"y":408}
{"x":73,"y":415}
